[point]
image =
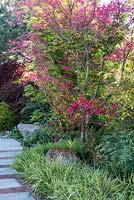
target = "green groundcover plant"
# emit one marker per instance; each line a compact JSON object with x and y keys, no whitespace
{"x":116,"y":151}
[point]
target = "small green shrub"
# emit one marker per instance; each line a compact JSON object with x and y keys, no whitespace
{"x":38,"y":137}
{"x":16,"y":134}
{"x":37,"y":109}
{"x":73,"y":182}
{"x":117,"y":153}
{"x":7,"y":117}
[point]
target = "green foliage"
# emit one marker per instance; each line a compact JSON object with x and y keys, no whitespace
{"x":90,"y":146}
{"x":38,"y":137}
{"x":37,"y":109}
{"x":57,"y":181}
{"x":9,"y":28}
{"x":76,"y":144}
{"x":124,"y":95}
{"x":16,"y":134}
{"x":117,"y":152}
{"x":7,"y":117}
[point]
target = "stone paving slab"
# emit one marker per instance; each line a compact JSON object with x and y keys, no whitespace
{"x":9,"y":145}
{"x":10,"y":188}
{"x":16,"y":196}
{"x":7,"y":171}
{"x":9,"y":183}
{"x":9,"y":154}
{"x":6,"y":161}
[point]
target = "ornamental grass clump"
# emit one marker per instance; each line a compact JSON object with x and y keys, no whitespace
{"x":56,"y":181}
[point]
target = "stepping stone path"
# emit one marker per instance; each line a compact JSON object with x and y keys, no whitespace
{"x":10,"y":187}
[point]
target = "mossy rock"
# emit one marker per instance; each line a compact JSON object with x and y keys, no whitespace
{"x":7,"y":117}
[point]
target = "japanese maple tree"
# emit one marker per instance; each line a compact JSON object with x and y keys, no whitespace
{"x":77,"y":45}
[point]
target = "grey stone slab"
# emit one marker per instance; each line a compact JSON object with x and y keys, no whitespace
{"x":7,"y":171}
{"x":9,"y":183}
{"x":6,"y":161}
{"x":9,"y":154}
{"x":16,"y":196}
{"x":9,"y":145}
{"x":27,"y":129}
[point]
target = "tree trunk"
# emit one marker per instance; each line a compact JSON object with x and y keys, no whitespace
{"x":84,"y":130}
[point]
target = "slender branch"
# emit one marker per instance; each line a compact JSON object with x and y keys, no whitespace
{"x":87,"y":62}
{"x":125,"y":56}
{"x":99,"y":80}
